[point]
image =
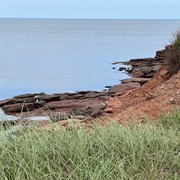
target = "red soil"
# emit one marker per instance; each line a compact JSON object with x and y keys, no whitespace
{"x":160,"y":94}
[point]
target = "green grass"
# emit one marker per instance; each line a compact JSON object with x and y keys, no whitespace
{"x":144,"y":152}
{"x":174,"y":59}
{"x":175,"y":41}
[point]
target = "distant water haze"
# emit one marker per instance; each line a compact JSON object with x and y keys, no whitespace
{"x":52,"y":56}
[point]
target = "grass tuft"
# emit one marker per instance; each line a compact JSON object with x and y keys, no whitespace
{"x":174,"y":59}
{"x":175,"y":41}
{"x":108,"y":152}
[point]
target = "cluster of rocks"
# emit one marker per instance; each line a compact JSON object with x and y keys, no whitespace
{"x":86,"y":104}
{"x":60,"y":106}
{"x":147,"y":67}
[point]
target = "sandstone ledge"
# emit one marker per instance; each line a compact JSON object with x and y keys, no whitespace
{"x":85,"y":104}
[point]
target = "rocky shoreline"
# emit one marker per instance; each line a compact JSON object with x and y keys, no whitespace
{"x":84,"y":104}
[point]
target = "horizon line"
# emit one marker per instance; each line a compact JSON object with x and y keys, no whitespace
{"x":87,"y":18}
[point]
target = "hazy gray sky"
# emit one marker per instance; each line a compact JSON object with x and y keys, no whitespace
{"x":119,"y":9}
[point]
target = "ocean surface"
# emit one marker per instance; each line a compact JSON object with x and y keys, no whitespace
{"x":56,"y":55}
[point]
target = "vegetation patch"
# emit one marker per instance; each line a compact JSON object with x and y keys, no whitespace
{"x":106,"y":152}
{"x":175,"y":41}
{"x":174,"y":59}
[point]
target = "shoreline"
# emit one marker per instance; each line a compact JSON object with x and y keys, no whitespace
{"x":84,"y":104}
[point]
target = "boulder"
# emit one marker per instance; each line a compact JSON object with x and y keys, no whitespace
{"x":7,"y":102}
{"x":124,"y":87}
{"x":18,"y":107}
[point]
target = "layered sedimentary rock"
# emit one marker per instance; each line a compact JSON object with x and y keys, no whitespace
{"x":85,"y":104}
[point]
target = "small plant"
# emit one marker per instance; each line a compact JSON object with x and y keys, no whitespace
{"x":174,"y":59}
{"x":175,"y":41}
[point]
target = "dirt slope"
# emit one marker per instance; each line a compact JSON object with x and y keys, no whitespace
{"x":150,"y":100}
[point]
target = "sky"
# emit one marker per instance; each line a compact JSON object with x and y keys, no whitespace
{"x":91,"y":9}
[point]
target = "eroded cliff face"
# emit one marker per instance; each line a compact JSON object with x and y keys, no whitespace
{"x":160,"y":94}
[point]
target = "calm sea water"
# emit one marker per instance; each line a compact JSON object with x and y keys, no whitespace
{"x":45,"y":55}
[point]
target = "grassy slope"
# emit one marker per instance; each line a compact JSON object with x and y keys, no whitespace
{"x":111,"y":152}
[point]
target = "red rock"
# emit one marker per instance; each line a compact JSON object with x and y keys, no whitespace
{"x":49,"y":98}
{"x":76,"y":103}
{"x":26,"y":95}
{"x":124,"y":87}
{"x":157,"y":67}
{"x":92,"y":95}
{"x":150,"y":75}
{"x":26,"y":100}
{"x":139,"y":80}
{"x":39,"y":103}
{"x":108,"y":110}
{"x":138,"y":74}
{"x":147,"y":70}
{"x":18,"y":107}
{"x":64,"y":97}
{"x":7,"y":102}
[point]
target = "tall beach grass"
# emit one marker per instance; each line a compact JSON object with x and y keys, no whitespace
{"x":106,"y":152}
{"x":175,"y":41}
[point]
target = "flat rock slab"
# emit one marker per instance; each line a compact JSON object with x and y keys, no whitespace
{"x":27,"y":95}
{"x":7,"y":102}
{"x":49,"y":98}
{"x":77,"y":103}
{"x":18,"y":107}
{"x":25,"y":100}
{"x":139,"y":80}
{"x":124,"y":87}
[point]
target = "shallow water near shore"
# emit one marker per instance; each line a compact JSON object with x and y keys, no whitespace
{"x":5,"y":117}
{"x":53,"y":55}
